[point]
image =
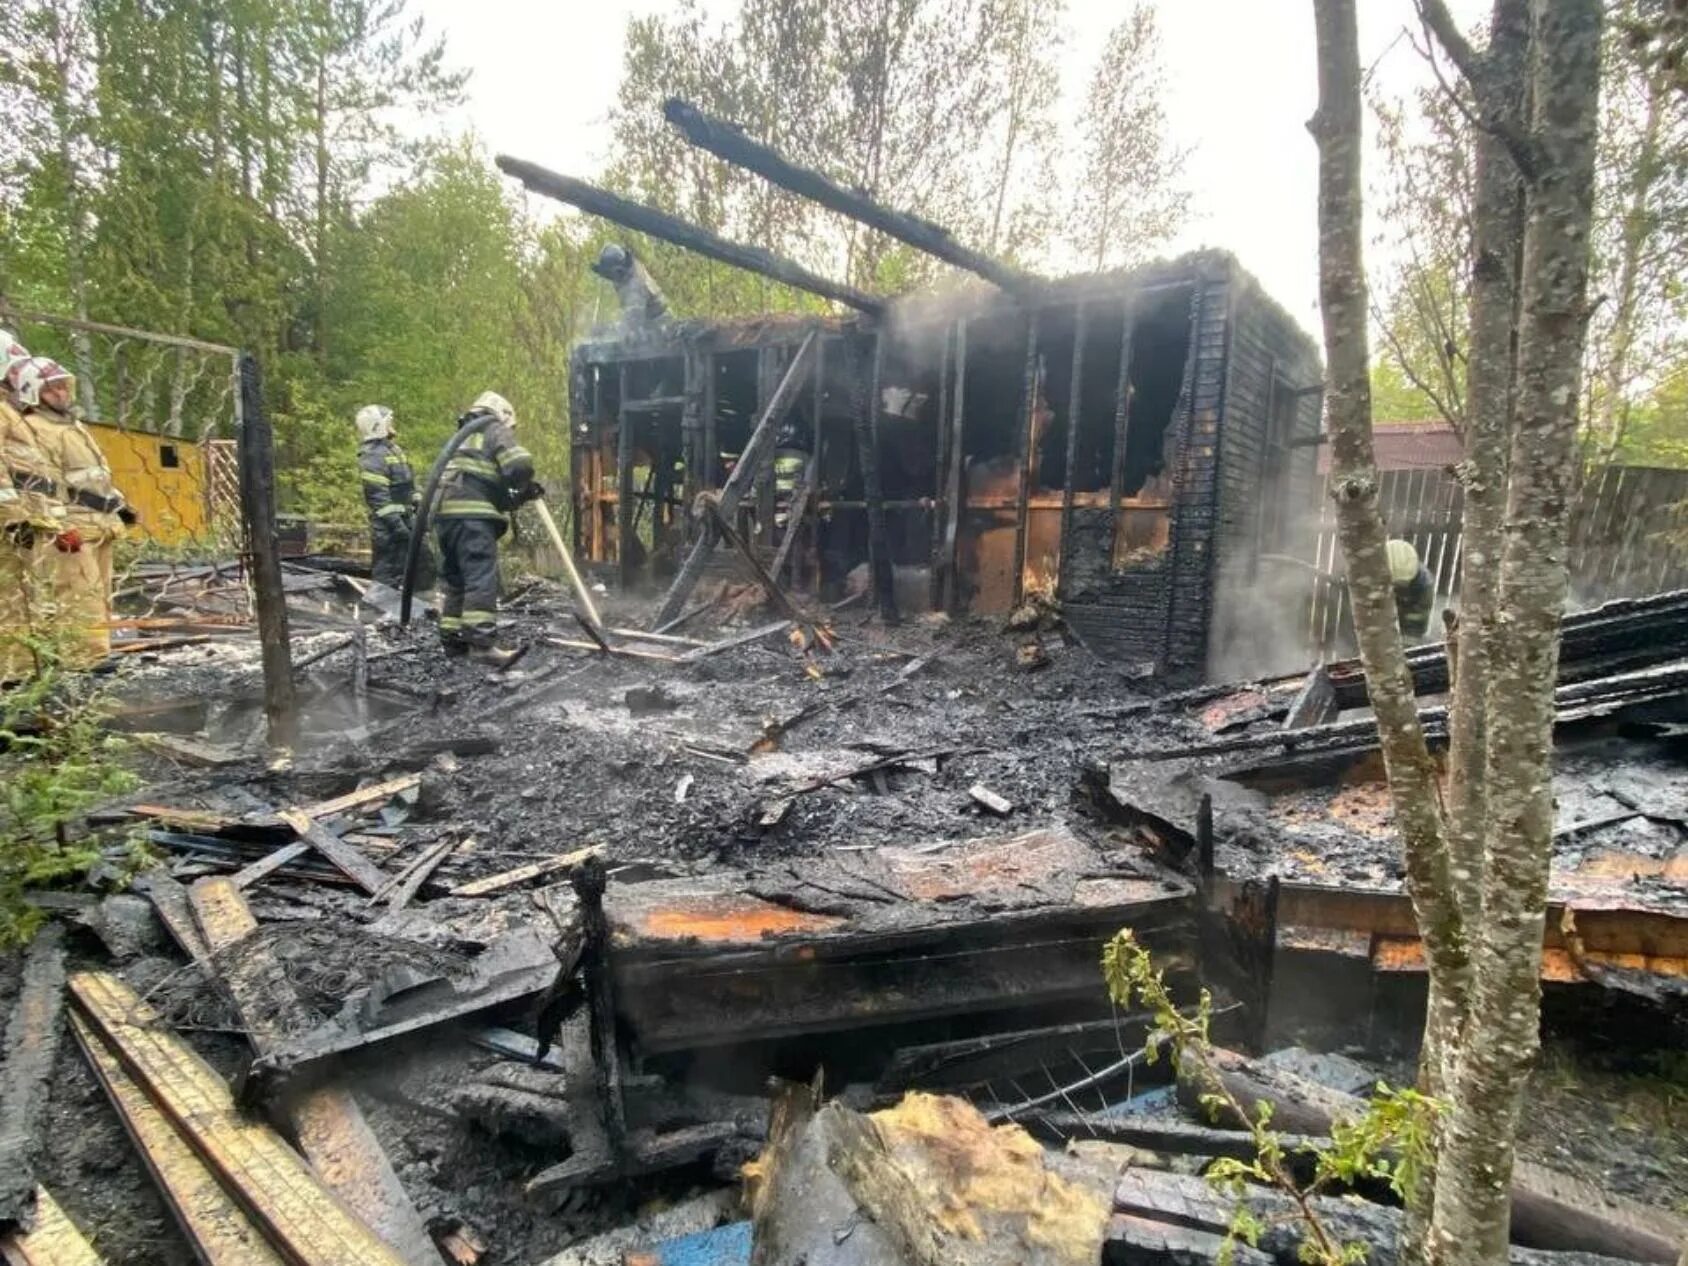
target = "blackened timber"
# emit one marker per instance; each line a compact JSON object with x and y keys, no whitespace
{"x":1122,"y":414}
{"x":940,"y":463}
{"x":953,"y":504}
{"x":255,"y":451}
{"x":867,"y":445}
{"x":756,"y":451}
{"x":693,"y":477}
{"x":1075,"y":410}
{"x":727,"y":141}
{"x":627,"y":540}
{"x":32,"y":1044}
{"x":589,"y":881}
{"x":1028,"y":434}
{"x":659,"y":224}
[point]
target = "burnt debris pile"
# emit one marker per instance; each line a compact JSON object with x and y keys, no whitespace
{"x":497,"y":963}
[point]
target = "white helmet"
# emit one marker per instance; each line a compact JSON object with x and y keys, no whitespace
{"x":374,"y":422}
{"x":492,"y":402}
{"x":12,"y":355}
{"x":35,"y":374}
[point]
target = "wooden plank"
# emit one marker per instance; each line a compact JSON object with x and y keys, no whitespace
{"x":190,"y":751}
{"x":409,"y":881}
{"x":54,"y":1240}
{"x":882,"y":579}
{"x":170,"y":903}
{"x":362,"y":797}
{"x":1122,"y":411}
{"x":627,"y":540}
{"x":505,"y":880}
{"x":1075,"y":418}
{"x":271,"y":862}
{"x":326,"y":1119}
{"x":32,"y":1044}
{"x":743,"y":478}
{"x":346,"y":859}
{"x":950,"y":598}
{"x":298,"y":1214}
{"x":217,"y":1227}
{"x":1028,"y":437}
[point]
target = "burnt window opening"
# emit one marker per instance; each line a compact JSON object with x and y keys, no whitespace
{"x":168,"y":458}
{"x":737,"y":397}
{"x":1160,"y":347}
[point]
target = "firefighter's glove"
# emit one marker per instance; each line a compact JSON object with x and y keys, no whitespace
{"x":127,"y":514}
{"x":535,"y":491}
{"x":68,"y":541}
{"x":21,"y":534}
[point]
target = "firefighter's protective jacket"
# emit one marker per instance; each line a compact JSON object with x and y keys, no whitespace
{"x":487,"y":476}
{"x":29,"y":477}
{"x":389,"y":486}
{"x":92,"y":501}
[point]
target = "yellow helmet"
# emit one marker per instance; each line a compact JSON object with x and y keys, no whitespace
{"x":1403,"y":561}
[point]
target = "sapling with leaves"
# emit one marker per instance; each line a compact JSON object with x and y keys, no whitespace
{"x":1388,"y":1142}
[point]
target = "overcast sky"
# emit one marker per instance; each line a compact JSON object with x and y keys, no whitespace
{"x":1241,"y":85}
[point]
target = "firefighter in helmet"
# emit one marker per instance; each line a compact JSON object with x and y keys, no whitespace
{"x":32,"y":524}
{"x":389,"y":491}
{"x":487,"y":478}
{"x":96,"y":513}
{"x":1415,"y":591}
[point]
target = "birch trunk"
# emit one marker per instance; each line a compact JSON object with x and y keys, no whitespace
{"x":1502,"y":1031}
{"x":1342,"y":294}
{"x":1496,"y":239}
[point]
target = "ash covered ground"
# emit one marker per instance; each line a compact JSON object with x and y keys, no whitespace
{"x":673,"y":769}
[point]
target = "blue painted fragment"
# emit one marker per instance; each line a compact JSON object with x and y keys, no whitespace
{"x":724,"y":1246}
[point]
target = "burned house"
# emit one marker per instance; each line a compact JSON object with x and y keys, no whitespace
{"x":1132,"y":442}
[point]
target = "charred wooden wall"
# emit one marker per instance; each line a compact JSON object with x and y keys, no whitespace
{"x":1268,"y":489}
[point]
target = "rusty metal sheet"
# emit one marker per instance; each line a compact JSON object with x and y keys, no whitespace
{"x":299,"y":1215}
{"x":327,"y":1121}
{"x":53,"y":1241}
{"x":221,"y":1233}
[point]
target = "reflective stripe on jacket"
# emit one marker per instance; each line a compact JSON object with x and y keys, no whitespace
{"x":389,"y":487}
{"x":485,"y":476}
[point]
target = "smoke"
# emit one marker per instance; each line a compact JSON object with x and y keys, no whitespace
{"x":1261,"y":609}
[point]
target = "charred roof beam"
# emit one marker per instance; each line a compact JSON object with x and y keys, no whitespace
{"x":668,"y":228}
{"x":727,"y":141}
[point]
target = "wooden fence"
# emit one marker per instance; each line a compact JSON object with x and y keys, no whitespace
{"x":1629,"y":538}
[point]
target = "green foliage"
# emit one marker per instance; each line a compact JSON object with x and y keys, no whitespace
{"x":57,"y":760}
{"x":1390,"y":1141}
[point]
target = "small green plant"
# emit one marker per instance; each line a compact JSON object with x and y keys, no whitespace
{"x":1390,"y":1141}
{"x":56,"y":760}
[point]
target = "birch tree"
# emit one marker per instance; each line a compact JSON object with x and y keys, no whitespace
{"x":1477,"y":862}
{"x":1130,"y":198}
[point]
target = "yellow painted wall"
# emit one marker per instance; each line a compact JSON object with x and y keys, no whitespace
{"x":170,"y":498}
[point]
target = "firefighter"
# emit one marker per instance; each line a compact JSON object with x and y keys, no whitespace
{"x":32,"y":525}
{"x":96,"y":514}
{"x":483,"y":483}
{"x":389,"y":490}
{"x":1415,"y":591}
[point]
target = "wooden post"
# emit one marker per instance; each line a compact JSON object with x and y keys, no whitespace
{"x":1028,"y":429}
{"x":767,"y":376}
{"x":255,"y":449}
{"x":954,"y":495}
{"x":1075,"y":414}
{"x":741,"y":480}
{"x":627,"y":541}
{"x":589,"y":881}
{"x":867,"y":443}
{"x":940,"y":453}
{"x":709,"y":474}
{"x":805,"y":491}
{"x":691,"y":439}
{"x":1122,"y":413}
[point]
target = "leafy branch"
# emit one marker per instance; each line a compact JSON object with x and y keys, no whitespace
{"x":1389,"y":1142}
